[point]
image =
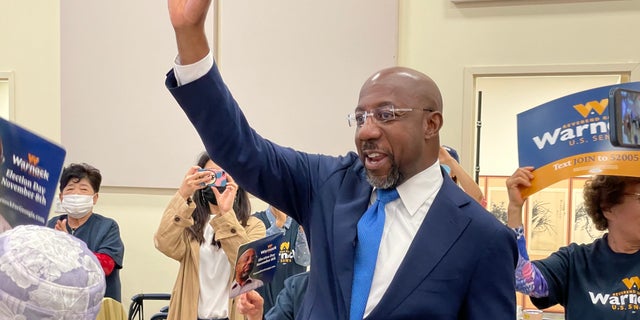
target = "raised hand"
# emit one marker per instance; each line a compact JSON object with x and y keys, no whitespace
{"x":520,"y":179}
{"x":227,"y":197}
{"x":188,"y":18}
{"x":193,"y":181}
{"x":61,"y":225}
{"x":188,"y":13}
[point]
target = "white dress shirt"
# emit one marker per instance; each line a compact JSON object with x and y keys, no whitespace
{"x":403,"y":218}
{"x":191,"y":72}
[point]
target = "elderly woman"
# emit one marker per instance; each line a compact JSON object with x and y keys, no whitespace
{"x":600,"y":280}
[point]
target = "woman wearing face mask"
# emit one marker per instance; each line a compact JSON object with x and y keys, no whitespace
{"x":79,"y":186}
{"x":202,"y":228}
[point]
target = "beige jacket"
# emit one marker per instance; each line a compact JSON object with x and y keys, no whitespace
{"x":173,"y":240}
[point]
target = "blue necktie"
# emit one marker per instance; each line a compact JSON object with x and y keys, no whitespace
{"x":369,"y":233}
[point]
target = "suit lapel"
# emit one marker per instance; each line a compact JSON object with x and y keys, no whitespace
{"x":439,"y":231}
{"x":349,"y":208}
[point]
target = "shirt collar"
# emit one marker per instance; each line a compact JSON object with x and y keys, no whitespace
{"x":419,"y":188}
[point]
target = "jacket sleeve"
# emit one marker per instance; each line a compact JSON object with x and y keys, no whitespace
{"x":111,"y":243}
{"x":232,"y":234}
{"x":491,"y":293}
{"x":171,"y":238}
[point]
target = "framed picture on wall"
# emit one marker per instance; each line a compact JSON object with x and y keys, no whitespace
{"x":547,"y":219}
{"x":582,"y":228}
{"x":497,"y":197}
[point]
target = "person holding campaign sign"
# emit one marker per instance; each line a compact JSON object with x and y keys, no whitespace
{"x":294,"y":254}
{"x":600,"y":280}
{"x":79,"y":187}
{"x":390,"y":236}
{"x":203,"y":226}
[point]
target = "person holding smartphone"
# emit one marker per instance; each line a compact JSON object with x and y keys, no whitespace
{"x":294,"y":256}
{"x":202,"y":228}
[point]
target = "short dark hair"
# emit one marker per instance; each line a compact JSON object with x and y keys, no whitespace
{"x":77,"y":171}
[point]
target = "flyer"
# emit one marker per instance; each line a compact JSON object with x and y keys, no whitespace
{"x":256,"y":264}
{"x":30,"y":167}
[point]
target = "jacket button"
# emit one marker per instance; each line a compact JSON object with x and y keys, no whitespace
{"x":176,"y":219}
{"x":233,"y":230}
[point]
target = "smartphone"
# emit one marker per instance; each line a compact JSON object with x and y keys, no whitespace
{"x":624,"y":118}
{"x":218,"y":178}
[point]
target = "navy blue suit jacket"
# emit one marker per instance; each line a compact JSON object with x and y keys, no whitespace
{"x":460,"y":264}
{"x":289,"y":299}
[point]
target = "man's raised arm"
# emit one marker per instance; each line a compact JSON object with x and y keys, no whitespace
{"x":188,"y":18}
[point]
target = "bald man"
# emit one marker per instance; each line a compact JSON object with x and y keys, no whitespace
{"x":242,"y":281}
{"x":440,"y":256}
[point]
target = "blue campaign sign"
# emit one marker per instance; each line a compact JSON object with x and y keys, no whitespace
{"x":30,"y":168}
{"x":570,"y":136}
{"x":256,"y":264}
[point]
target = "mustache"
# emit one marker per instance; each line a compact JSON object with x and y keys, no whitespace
{"x":368,"y":145}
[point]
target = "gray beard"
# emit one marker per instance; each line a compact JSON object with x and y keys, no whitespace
{"x":390,"y":181}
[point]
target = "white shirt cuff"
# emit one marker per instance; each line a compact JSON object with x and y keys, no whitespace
{"x":191,"y":72}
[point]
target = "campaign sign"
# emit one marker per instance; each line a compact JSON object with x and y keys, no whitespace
{"x":256,"y":264}
{"x":569,"y":137}
{"x":30,"y":168}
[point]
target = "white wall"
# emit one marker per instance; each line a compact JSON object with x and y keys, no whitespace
{"x":441,"y":38}
{"x":30,"y":47}
{"x":292,"y":66}
{"x":4,"y":96}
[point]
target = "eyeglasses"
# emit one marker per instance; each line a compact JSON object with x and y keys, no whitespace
{"x":633,"y":194}
{"x":383,"y":114}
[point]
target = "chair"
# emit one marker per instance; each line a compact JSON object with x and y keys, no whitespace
{"x":111,"y":309}
{"x":136,"y":308}
{"x":162,"y":314}
{"x":159,"y":316}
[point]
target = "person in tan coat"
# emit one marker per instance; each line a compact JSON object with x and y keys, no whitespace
{"x":202,"y":228}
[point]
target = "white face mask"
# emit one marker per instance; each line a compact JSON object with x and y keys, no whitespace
{"x":77,"y":205}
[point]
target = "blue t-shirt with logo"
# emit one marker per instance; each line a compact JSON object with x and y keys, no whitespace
{"x":592,"y":282}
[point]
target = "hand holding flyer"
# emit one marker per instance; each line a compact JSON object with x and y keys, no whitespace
{"x":256,"y":264}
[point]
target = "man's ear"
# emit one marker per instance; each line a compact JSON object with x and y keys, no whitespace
{"x":432,"y":122}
